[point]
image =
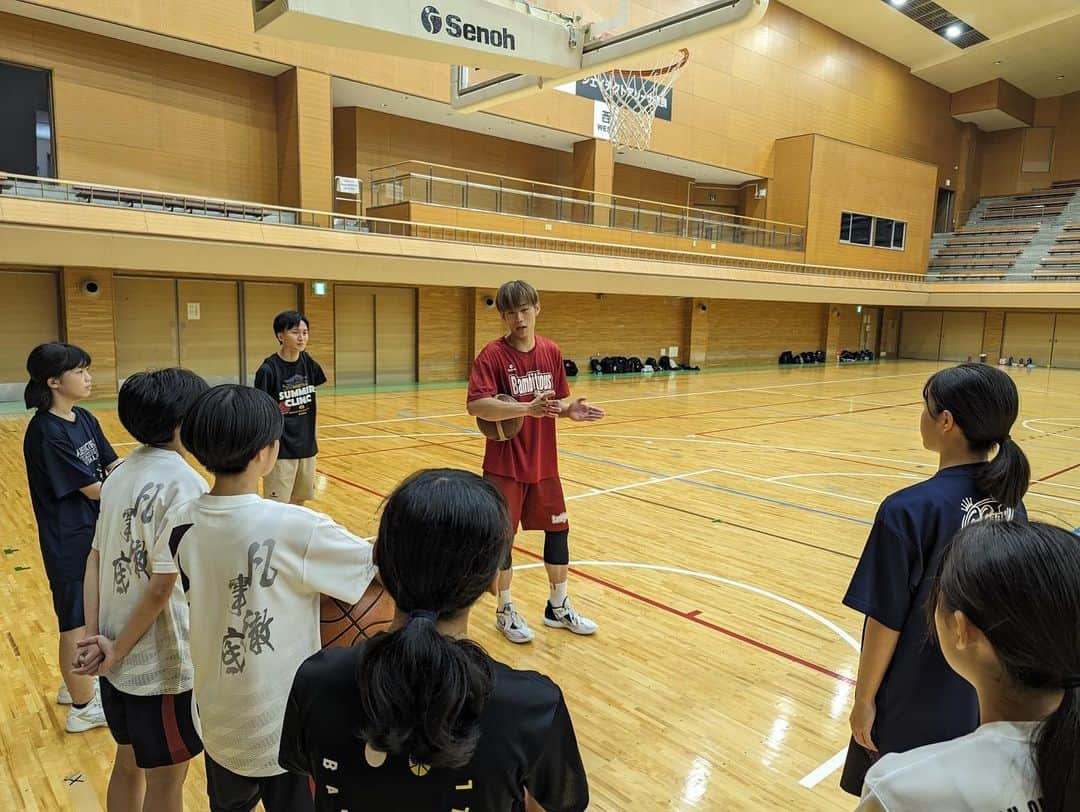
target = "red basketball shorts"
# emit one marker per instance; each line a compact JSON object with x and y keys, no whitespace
{"x":533,"y":505}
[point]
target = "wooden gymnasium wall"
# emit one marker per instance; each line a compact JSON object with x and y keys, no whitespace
{"x":134,"y":116}
{"x":34,"y":296}
{"x":648,"y":184}
{"x":788,"y":76}
{"x":750,"y":332}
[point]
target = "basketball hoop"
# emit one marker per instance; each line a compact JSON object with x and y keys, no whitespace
{"x":633,"y":97}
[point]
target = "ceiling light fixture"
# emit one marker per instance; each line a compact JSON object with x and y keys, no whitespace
{"x":998,"y":61}
{"x":1060,"y":76}
{"x":953,"y":31}
{"x":933,"y":17}
{"x":898,"y":3}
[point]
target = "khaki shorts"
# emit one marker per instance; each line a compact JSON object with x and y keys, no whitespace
{"x":291,"y":481}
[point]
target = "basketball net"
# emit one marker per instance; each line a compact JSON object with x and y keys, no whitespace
{"x":633,"y":97}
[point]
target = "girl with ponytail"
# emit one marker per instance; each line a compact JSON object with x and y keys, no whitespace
{"x":421,"y":717}
{"x":1006,"y":611}
{"x":906,"y":695}
{"x":67,"y":458}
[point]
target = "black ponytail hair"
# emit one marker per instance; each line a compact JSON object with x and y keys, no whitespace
{"x":1019,"y":583}
{"x":984,"y":403}
{"x":47,"y":361}
{"x":442,"y":537}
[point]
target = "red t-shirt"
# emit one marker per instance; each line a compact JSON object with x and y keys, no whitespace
{"x":500,"y":369}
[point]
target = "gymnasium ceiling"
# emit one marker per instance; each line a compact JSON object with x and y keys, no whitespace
{"x":1032,"y":42}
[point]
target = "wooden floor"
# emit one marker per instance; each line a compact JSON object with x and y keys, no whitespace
{"x":716,"y":519}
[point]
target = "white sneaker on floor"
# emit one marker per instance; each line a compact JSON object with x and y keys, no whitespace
{"x":83,"y":719}
{"x":566,"y":617}
{"x":513,"y":625}
{"x":63,"y":695}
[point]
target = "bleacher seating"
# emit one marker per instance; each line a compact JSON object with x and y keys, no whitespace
{"x":1063,"y":258}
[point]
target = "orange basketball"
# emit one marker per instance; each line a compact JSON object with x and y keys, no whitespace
{"x":341,"y":625}
{"x":501,"y":430}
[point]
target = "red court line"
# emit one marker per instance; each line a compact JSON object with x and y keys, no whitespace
{"x":392,"y":448}
{"x":691,"y":616}
{"x":350,"y":482}
{"x":1059,"y":473}
{"x":809,"y":417}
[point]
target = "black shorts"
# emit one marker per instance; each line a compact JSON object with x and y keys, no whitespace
{"x":229,"y":792}
{"x":160,"y":729}
{"x":67,"y":601}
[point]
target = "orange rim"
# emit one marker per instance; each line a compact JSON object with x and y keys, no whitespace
{"x":684,"y":57}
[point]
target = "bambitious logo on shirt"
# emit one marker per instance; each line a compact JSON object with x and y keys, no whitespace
{"x":531,"y":382}
{"x":985,"y":510}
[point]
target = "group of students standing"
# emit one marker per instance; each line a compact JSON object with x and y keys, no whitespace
{"x":198,"y":608}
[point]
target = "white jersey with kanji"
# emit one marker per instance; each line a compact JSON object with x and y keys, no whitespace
{"x":253,"y":571}
{"x":134,"y":501}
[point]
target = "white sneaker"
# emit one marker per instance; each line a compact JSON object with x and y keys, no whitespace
{"x":566,"y":617}
{"x":512,"y":625}
{"x":63,"y":695}
{"x":83,"y":719}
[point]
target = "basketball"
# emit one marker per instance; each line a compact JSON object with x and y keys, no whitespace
{"x":341,"y":625}
{"x":500,"y":430}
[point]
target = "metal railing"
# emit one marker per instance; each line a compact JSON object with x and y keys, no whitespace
{"x":80,"y":193}
{"x":435,"y":184}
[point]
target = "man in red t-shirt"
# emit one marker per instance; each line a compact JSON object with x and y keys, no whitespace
{"x":526,"y":468}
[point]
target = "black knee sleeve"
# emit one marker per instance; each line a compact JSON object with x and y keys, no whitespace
{"x":557,"y":547}
{"x":509,"y":560}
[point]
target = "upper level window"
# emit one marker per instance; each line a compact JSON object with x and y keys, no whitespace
{"x":864,"y":229}
{"x":26,"y":129}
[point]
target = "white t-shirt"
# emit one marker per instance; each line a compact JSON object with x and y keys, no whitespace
{"x":253,"y":571}
{"x":990,"y":769}
{"x":134,"y":501}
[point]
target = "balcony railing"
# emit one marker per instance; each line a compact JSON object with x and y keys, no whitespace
{"x":81,"y":193}
{"x":434,"y":184}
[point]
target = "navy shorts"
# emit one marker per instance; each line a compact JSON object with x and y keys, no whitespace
{"x":229,"y":792}
{"x":160,"y":729}
{"x":67,"y":601}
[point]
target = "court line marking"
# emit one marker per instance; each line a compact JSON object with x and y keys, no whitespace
{"x":632,"y":485}
{"x":818,"y":774}
{"x":650,"y":397}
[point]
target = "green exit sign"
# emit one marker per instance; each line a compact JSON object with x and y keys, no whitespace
{"x":318,"y":288}
{"x":858,"y":308}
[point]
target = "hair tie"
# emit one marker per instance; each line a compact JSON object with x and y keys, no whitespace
{"x":1071,"y":683}
{"x":421,"y":614}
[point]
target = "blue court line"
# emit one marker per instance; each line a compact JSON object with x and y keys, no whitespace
{"x":710,"y":486}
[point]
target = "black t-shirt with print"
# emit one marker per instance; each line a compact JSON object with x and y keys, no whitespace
{"x":62,"y":457}
{"x":292,"y":385}
{"x":527,"y":741}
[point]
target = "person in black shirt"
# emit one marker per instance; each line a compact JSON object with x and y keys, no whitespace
{"x":67,"y":458}
{"x":290,"y":376}
{"x":420,"y":717}
{"x":906,"y":695}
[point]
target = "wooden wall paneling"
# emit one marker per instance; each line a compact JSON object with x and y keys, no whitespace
{"x":1029,"y":335}
{"x":344,"y":135}
{"x":1066,"y":122}
{"x":395,"y":336}
{"x":287,"y":124}
{"x":648,"y":184}
{"x":1067,"y":341}
{"x":146,"y":328}
{"x":790,"y":188}
{"x":34,"y":298}
{"x":993,"y":333}
{"x":354,"y":335}
{"x":209,"y":316}
{"x":319,"y":310}
{"x":315,"y":109}
{"x":890,"y":332}
{"x":130,"y":115}
{"x":89,"y":323}
{"x":920,"y":334}
{"x":850,"y":178}
{"x":754,"y":332}
{"x":961,"y":335}
{"x":1037,"y":151}
{"x":723,"y":198}
{"x":1001,"y":155}
{"x":698,"y":349}
{"x":262,"y":302}
{"x":444,"y":333}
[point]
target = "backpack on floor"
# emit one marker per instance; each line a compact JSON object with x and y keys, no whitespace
{"x":594,"y":366}
{"x":786,"y":358}
{"x":571,"y":368}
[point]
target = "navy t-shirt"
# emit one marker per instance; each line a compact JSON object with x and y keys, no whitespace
{"x":292,"y":384}
{"x":526,"y":741}
{"x":921,"y":700}
{"x":61,"y":457}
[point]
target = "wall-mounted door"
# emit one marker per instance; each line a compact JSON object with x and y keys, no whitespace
{"x":920,"y":334}
{"x":961,"y":335}
{"x":262,"y":302}
{"x":354,"y":335}
{"x":146,"y":334}
{"x":1029,"y":335}
{"x":33,"y":301}
{"x":1067,"y":341}
{"x":374,"y":335}
{"x":395,"y":336}
{"x":210,"y":329}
